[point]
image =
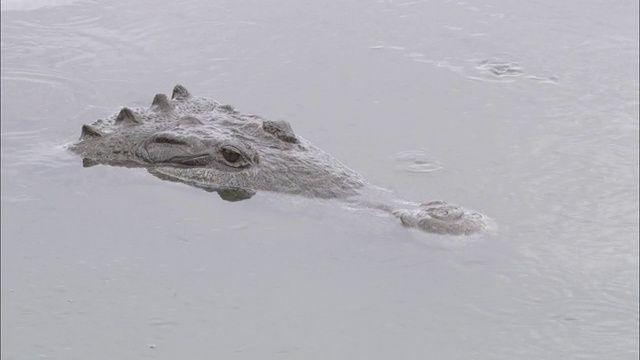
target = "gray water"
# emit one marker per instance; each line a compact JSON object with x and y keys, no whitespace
{"x":525,"y":111}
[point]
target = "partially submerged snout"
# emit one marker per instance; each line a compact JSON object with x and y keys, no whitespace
{"x":441,"y":217}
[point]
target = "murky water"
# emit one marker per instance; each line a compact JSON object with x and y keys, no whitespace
{"x":525,"y":111}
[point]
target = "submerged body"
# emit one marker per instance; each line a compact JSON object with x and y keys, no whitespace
{"x":203,"y":143}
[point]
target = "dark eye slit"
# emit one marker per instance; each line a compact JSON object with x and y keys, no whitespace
{"x":169,"y":140}
{"x":194,"y":161}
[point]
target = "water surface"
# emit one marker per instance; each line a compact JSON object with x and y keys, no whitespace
{"x":526,"y":112}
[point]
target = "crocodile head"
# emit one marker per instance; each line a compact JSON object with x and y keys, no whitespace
{"x":201,"y":142}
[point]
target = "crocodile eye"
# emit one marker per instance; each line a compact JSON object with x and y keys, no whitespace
{"x":230,"y":155}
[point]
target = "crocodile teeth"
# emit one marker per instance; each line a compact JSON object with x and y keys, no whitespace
{"x":180,"y":92}
{"x":161,"y":102}
{"x":127,"y":116}
{"x":90,"y":131}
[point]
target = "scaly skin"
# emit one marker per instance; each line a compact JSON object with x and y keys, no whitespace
{"x":203,"y":143}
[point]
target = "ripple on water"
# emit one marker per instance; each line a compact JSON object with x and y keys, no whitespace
{"x":32,"y":149}
{"x":59,"y":59}
{"x":417,"y":161}
{"x":50,"y":77}
{"x":485,"y":70}
{"x":28,"y":5}
{"x":496,"y":71}
{"x":59,"y":100}
{"x":500,"y":68}
{"x":582,"y":252}
{"x":30,"y":159}
{"x":555,"y":312}
{"x":75,"y":43}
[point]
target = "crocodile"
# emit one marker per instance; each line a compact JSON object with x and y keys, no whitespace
{"x":210,"y":145}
